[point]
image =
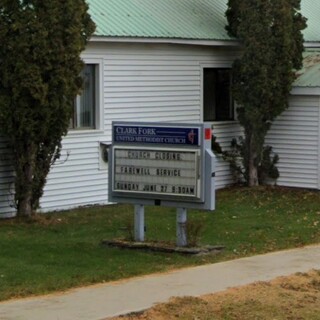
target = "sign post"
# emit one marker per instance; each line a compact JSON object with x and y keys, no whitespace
{"x":139,"y":222}
{"x":162,"y":164}
{"x":182,"y":227}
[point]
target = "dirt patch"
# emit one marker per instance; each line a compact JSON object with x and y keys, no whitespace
{"x":291,"y":298}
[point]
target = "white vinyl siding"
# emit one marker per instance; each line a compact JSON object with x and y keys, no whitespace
{"x":75,"y":179}
{"x":156,"y":83}
{"x":6,"y":182}
{"x":295,"y":137}
{"x":225,"y":131}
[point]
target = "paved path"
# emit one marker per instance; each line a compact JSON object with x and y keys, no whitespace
{"x":106,"y":300}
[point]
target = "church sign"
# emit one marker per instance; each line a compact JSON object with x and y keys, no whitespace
{"x":161,"y":164}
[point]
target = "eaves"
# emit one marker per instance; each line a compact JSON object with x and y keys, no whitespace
{"x":305,"y":91}
{"x":198,"y":42}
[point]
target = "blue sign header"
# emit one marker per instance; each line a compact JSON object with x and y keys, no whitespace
{"x":156,"y":135}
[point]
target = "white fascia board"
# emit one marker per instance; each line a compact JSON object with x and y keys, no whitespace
{"x":228,"y":43}
{"x":315,"y":44}
{"x":234,"y":43}
{"x":305,"y":91}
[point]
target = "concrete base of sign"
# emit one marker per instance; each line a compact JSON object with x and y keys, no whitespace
{"x":162,"y":247}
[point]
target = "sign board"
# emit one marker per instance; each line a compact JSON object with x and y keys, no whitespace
{"x":157,"y":171}
{"x":162,"y":164}
{"x":156,"y":135}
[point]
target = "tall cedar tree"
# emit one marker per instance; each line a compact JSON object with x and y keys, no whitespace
{"x":272,"y":40}
{"x":40,"y":64}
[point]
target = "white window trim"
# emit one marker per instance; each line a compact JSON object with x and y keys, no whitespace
{"x":217,"y":65}
{"x":319,"y":146}
{"x":99,"y":114}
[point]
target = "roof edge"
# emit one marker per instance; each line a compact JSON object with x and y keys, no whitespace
{"x":166,"y":40}
{"x":305,"y":91}
{"x":203,"y":42}
{"x":312,"y":44}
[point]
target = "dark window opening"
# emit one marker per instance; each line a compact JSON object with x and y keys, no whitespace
{"x":217,"y":100}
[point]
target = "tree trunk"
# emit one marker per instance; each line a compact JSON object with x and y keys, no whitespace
{"x":24,"y":183}
{"x":253,"y":173}
{"x":252,"y":167}
{"x":25,"y":208}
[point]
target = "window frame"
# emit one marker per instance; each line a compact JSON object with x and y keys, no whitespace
{"x":224,"y":66}
{"x":98,"y":112}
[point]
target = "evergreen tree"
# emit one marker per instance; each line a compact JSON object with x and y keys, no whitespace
{"x":40,"y":64}
{"x":272,"y":46}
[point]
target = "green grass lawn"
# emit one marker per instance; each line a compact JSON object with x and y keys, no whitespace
{"x":62,"y":250}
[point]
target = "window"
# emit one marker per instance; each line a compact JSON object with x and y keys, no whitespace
{"x":86,"y":104}
{"x":217,"y":101}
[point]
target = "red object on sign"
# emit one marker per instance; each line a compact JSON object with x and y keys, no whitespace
{"x":207,"y":134}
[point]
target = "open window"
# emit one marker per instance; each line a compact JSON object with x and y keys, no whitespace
{"x":217,"y":101}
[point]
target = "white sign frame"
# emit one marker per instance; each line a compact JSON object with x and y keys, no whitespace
{"x":170,"y":138}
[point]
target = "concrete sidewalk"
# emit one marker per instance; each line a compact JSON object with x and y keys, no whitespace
{"x":106,"y":300}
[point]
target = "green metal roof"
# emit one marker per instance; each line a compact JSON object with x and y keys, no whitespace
{"x":173,"y":19}
{"x":311,"y":10}
{"x":177,"y":19}
{"x":309,"y":75}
